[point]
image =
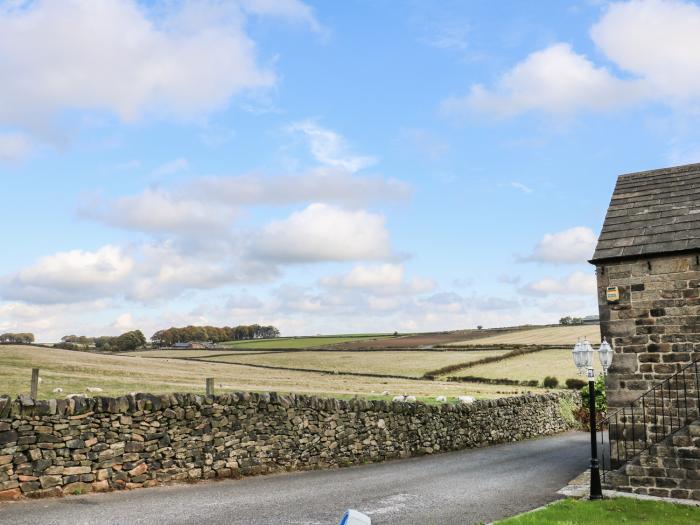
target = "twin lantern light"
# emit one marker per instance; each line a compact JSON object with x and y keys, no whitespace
{"x":583,"y":356}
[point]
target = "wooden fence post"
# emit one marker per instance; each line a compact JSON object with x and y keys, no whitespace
{"x":35,"y":383}
{"x":210,"y":386}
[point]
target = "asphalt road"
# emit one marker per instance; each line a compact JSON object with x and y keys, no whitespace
{"x":469,"y":486}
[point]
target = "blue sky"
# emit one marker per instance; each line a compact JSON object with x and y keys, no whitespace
{"x":325,"y":166}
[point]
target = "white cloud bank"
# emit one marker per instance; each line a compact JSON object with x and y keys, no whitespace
{"x":576,"y":283}
{"x":385,"y":279}
{"x":322,"y":232}
{"x":170,"y":59}
{"x":575,"y":245}
{"x":652,"y":43}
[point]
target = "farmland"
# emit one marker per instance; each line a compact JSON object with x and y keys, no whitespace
{"x":118,"y":375}
{"x":425,"y":365}
{"x":304,"y":342}
{"x":536,"y":366}
{"x":550,"y":335}
{"x":413,"y":364}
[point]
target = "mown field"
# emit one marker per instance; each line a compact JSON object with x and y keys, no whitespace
{"x":550,"y":335}
{"x":405,"y":363}
{"x":528,"y":367}
{"x":116,"y":375}
{"x":303,"y":342}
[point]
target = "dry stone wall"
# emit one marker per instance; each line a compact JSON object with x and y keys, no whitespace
{"x":68,"y":446}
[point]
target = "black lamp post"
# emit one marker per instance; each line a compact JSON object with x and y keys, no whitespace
{"x":583,"y":358}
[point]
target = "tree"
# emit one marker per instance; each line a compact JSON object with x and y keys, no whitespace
{"x":213,"y":334}
{"x":129,"y":341}
{"x":18,"y":338}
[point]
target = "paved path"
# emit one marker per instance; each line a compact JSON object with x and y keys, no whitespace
{"x":470,"y":486}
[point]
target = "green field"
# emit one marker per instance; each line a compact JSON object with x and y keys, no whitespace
{"x":609,"y":512}
{"x":405,"y":363}
{"x":301,"y":342}
{"x":120,"y":374}
{"x":534,"y":366}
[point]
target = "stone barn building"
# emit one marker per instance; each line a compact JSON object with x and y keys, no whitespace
{"x":648,"y":277}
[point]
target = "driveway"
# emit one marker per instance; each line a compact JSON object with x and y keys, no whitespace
{"x":469,"y":486}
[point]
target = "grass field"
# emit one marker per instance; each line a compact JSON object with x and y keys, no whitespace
{"x":550,"y":335}
{"x":73,"y":371}
{"x":168,"y":353}
{"x":537,"y":365}
{"x":413,"y":364}
{"x":302,"y":342}
{"x":609,"y":512}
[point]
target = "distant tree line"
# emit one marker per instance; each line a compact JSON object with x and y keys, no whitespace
{"x":22,"y":337}
{"x":122,"y":343}
{"x":214,"y":334}
{"x":570,"y":321}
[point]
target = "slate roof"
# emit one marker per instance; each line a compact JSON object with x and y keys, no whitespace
{"x":652,"y":213}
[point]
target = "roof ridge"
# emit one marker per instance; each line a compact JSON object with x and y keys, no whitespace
{"x":659,"y":171}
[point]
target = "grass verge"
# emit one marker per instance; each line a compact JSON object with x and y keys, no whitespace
{"x":609,"y":512}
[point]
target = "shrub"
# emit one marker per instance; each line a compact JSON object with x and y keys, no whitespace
{"x":575,"y":384}
{"x":550,"y":382}
{"x":601,"y":402}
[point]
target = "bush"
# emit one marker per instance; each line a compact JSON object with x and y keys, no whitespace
{"x":575,"y":384}
{"x":601,"y":402}
{"x":550,"y":382}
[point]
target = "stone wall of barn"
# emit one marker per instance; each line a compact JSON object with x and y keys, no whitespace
{"x":78,"y":445}
{"x":655,"y":332}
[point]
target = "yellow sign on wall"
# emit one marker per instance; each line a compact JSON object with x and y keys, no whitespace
{"x":612,"y":294}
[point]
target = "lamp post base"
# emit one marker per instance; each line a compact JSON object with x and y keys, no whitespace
{"x":596,"y":489}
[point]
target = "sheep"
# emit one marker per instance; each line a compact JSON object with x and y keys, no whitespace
{"x":466,"y":400}
{"x":410,"y":399}
{"x":441,"y":399}
{"x":58,"y":390}
{"x":385,"y":393}
{"x":40,"y":379}
{"x":399,"y":399}
{"x":93,"y":390}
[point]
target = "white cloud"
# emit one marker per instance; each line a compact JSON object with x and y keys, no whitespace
{"x":576,"y":283}
{"x":555,"y":80}
{"x":322,"y":232}
{"x":144,"y":273}
{"x":157,"y":211}
{"x":171,"y":167}
{"x":13,"y":146}
{"x":209,"y":205}
{"x":575,"y":245}
{"x":71,"y":276}
{"x":319,"y":185}
{"x":385,"y":279}
{"x":330,"y":148}
{"x":522,"y":187}
{"x":177,"y":59}
{"x":656,"y":40}
{"x":652,"y":43}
